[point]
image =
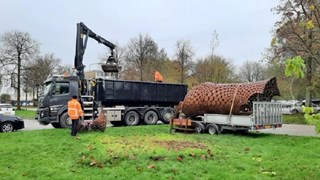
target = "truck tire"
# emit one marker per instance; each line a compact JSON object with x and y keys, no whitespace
{"x":212,"y":129}
{"x":132,"y":118}
{"x":150,"y":118}
{"x":199,"y":127}
{"x":65,"y":121}
{"x":56,"y":125}
{"x":167,"y":114}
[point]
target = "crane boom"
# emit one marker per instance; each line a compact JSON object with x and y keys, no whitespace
{"x":81,"y":43}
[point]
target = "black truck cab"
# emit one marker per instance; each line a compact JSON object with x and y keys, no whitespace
{"x":56,"y":92}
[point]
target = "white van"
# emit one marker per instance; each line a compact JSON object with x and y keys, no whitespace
{"x":7,"y":109}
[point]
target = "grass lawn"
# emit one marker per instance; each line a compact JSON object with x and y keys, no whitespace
{"x":26,"y":114}
{"x":151,"y":152}
{"x":294,"y":119}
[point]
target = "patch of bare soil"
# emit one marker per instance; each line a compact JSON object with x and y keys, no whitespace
{"x":179,"y":145}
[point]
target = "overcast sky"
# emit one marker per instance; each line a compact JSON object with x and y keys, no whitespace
{"x":244,"y":27}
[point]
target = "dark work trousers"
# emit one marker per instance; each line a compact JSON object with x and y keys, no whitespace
{"x":74,"y":129}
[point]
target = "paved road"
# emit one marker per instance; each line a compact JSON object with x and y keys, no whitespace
{"x":34,"y":125}
{"x":289,"y":129}
{"x":294,"y":130}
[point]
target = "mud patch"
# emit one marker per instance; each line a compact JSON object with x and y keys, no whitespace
{"x":180,"y":145}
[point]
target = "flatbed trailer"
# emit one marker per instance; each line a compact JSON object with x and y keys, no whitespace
{"x":264,"y":115}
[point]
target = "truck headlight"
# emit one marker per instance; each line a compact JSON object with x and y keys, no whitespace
{"x":54,"y":108}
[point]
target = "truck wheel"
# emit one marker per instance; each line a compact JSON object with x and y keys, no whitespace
{"x":132,"y":118}
{"x":56,"y":125}
{"x":212,"y":129}
{"x":199,"y":128}
{"x":150,"y":118}
{"x":167,"y":115}
{"x":65,"y":121}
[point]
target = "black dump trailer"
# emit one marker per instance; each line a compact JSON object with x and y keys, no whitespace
{"x":137,"y":102}
{"x":139,"y":93}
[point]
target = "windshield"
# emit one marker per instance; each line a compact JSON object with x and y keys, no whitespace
{"x":47,"y":87}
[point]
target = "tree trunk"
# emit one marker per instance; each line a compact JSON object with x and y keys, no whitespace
{"x":141,"y":73}
{"x":309,"y":72}
{"x":182,"y":72}
{"x":309,"y":81}
{"x":18,"y":85}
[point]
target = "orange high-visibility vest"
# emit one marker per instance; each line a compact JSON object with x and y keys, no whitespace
{"x":74,"y":109}
{"x":157,"y":77}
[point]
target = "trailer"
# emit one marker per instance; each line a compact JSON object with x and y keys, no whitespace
{"x":264,"y":115}
{"x":138,"y":102}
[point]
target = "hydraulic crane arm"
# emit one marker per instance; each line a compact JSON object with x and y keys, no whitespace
{"x":81,"y":43}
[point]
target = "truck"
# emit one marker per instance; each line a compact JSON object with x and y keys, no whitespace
{"x":125,"y":102}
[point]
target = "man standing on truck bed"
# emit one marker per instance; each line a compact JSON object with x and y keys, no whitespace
{"x":74,"y":112}
{"x":157,"y":76}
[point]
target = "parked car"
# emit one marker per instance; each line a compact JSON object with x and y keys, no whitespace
{"x":7,"y":109}
{"x":297,"y":108}
{"x":286,"y":108}
{"x":10,"y":123}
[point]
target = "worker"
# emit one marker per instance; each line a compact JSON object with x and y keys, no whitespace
{"x":157,"y":76}
{"x":75,"y":113}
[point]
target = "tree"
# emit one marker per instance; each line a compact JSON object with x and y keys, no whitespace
{"x":298,"y":34}
{"x":184,"y":54}
{"x":140,"y":51}
{"x":5,"y":98}
{"x":295,"y":69}
{"x":38,"y":70}
{"x":214,"y":69}
{"x":16,"y":51}
{"x":252,"y":71}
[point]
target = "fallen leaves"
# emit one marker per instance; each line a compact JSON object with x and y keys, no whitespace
{"x":258,"y":159}
{"x":180,"y":158}
{"x":180,"y":145}
{"x":203,"y":157}
{"x":90,"y":148}
{"x":151,"y":166}
{"x":143,"y":149}
{"x":157,"y":158}
{"x":192,"y":154}
{"x":90,"y":161}
{"x":209,"y":152}
{"x":268,"y":172}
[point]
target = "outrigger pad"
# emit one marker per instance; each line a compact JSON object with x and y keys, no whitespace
{"x":109,"y":67}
